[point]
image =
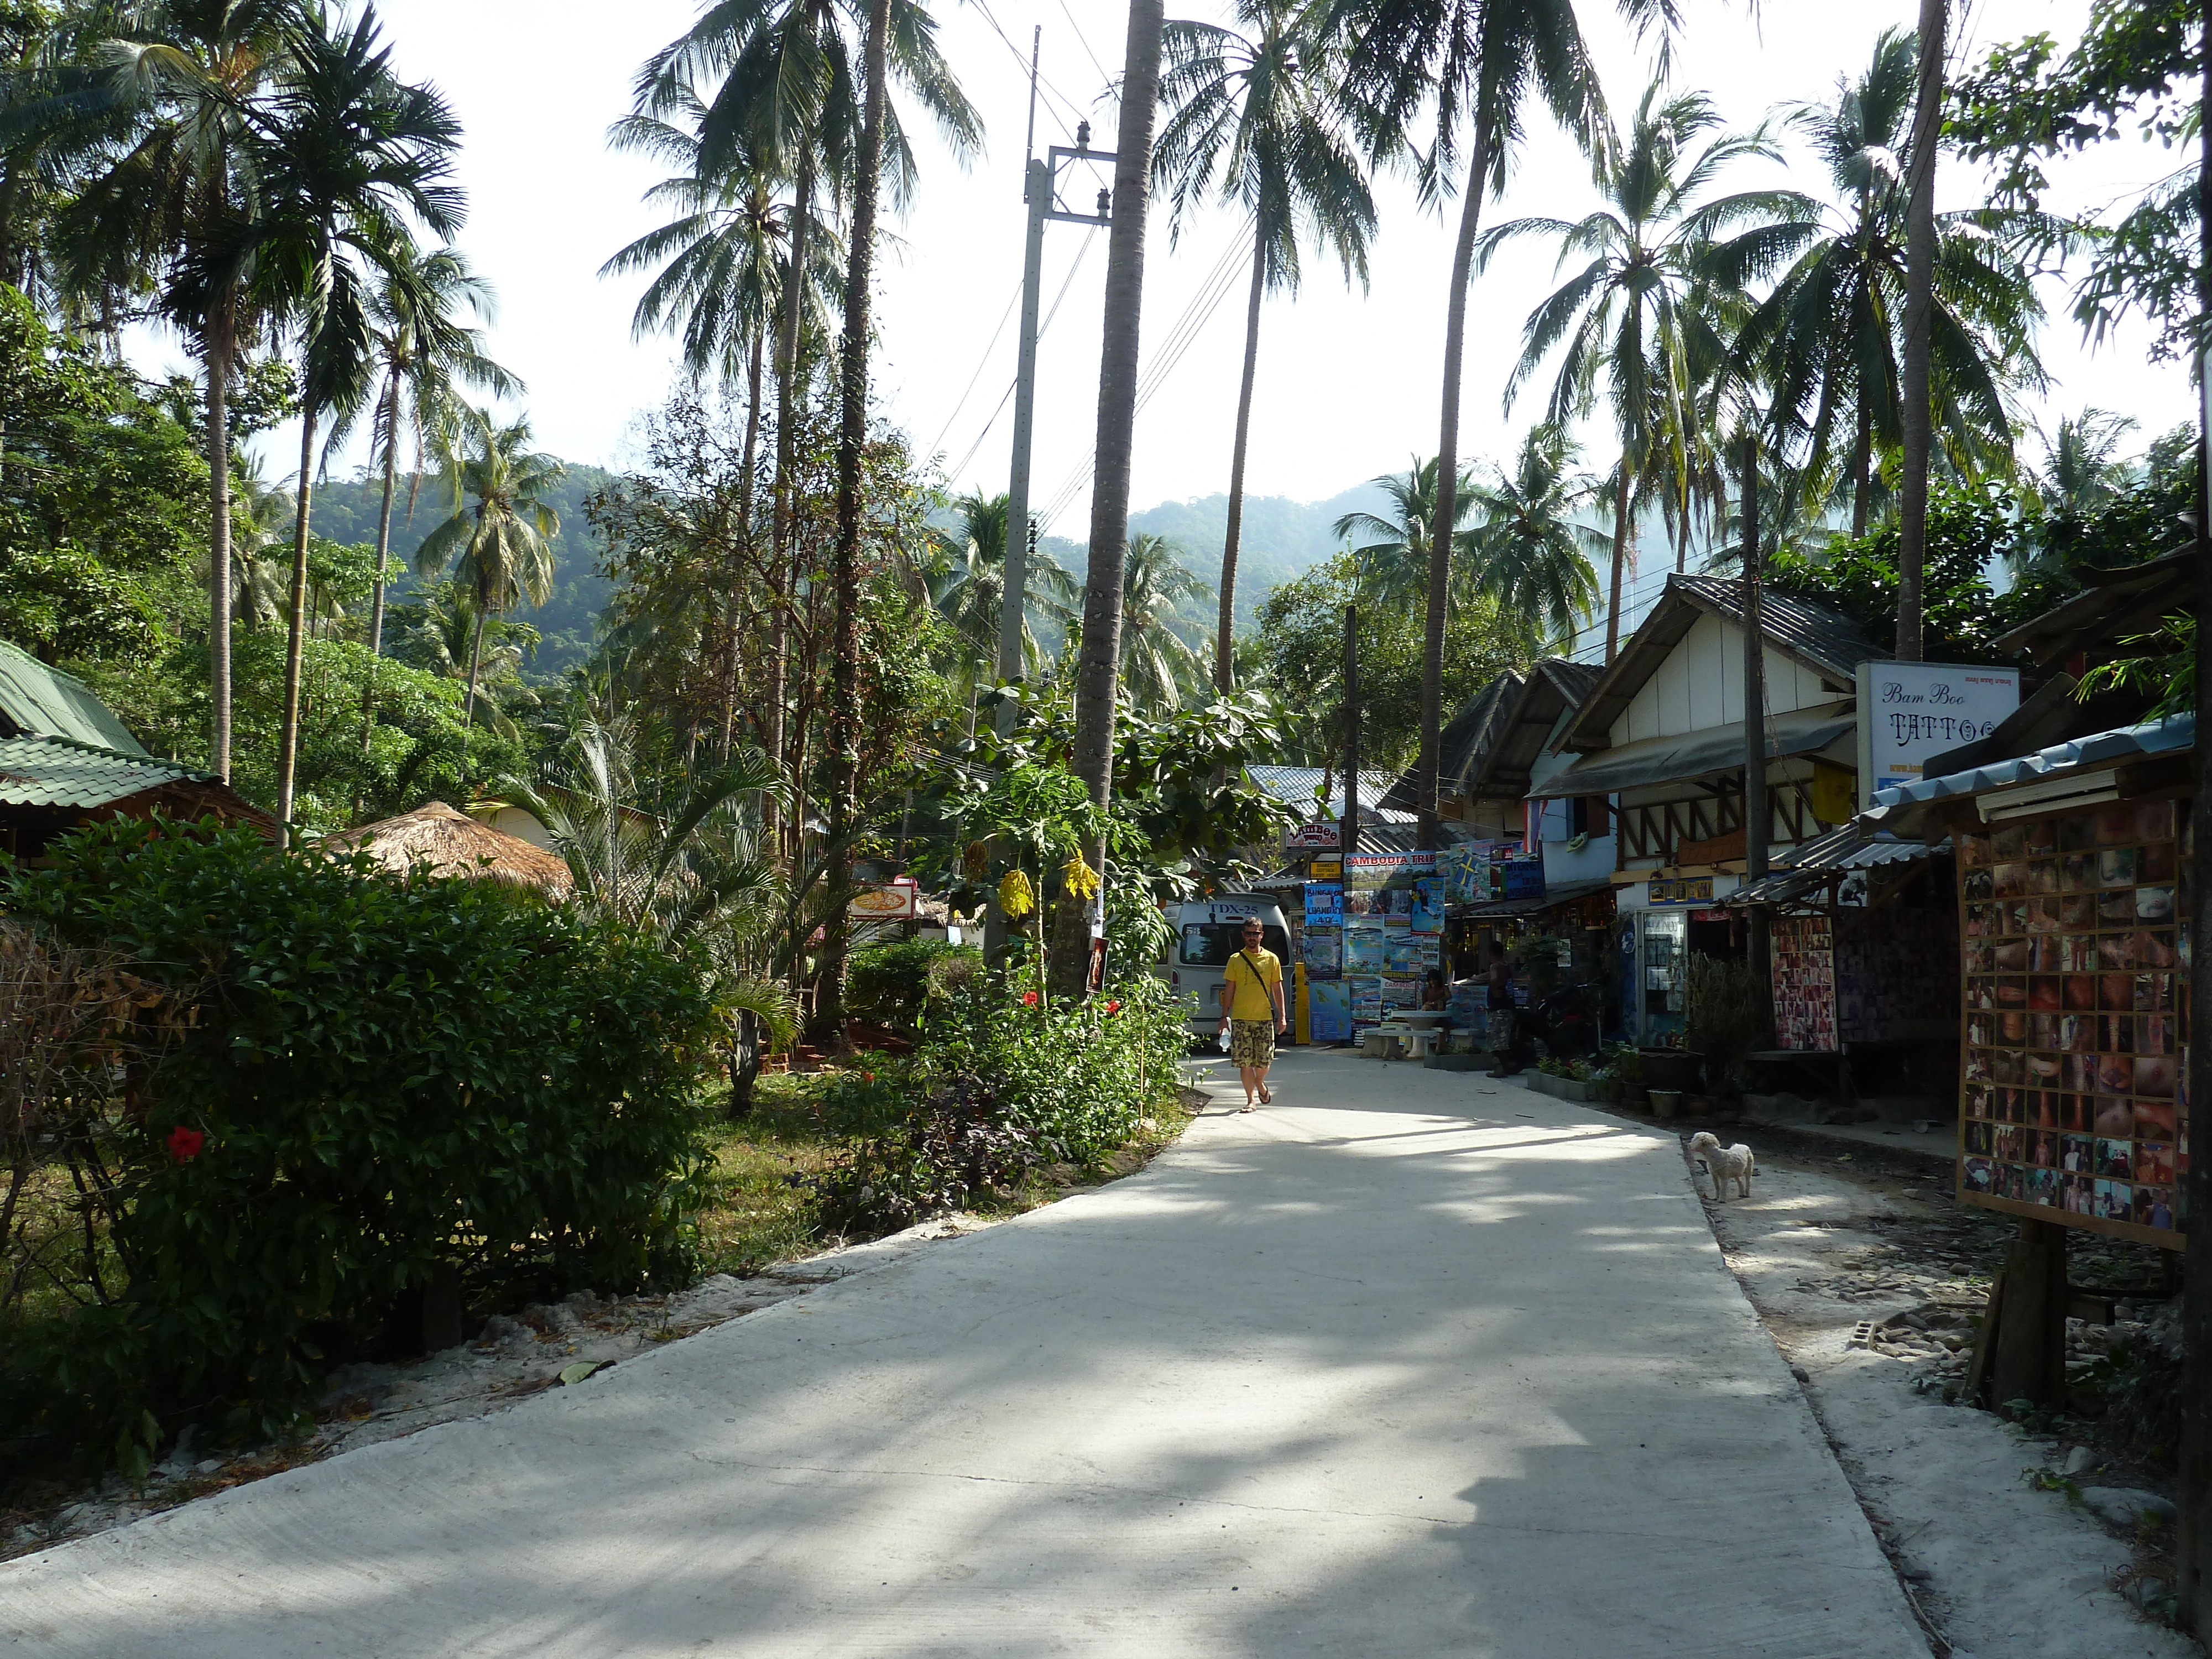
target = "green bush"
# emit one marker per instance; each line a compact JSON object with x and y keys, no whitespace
{"x":889,"y":983}
{"x":1001,"y":1081}
{"x":390,"y":1082}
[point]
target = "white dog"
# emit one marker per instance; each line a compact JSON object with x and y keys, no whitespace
{"x":1734,"y":1164}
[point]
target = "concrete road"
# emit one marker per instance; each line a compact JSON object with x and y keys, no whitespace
{"x":1411,"y":1363}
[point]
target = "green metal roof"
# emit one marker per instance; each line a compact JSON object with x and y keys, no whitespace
{"x":45,"y":702}
{"x":57,"y":772}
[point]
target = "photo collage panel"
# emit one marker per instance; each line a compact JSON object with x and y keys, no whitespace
{"x":2076,"y":946}
{"x":1804,"y":984}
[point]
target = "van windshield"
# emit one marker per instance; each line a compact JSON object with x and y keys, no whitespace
{"x":1211,"y":944}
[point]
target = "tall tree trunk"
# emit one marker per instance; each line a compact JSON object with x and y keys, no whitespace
{"x":1919,"y":309}
{"x":1621,"y":515}
{"x":2195,"y":1550}
{"x":383,"y":558}
{"x":1097,"y":669}
{"x":288,"y":742}
{"x":1224,"y":646}
{"x":1440,"y":538}
{"x":218,"y":345}
{"x":1682,"y":541}
{"x":844,"y":567}
{"x":1862,"y":469}
{"x":790,"y":383}
{"x":476,"y":664}
{"x":742,"y":549}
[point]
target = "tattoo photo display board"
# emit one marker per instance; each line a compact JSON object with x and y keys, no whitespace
{"x":2075,"y":944}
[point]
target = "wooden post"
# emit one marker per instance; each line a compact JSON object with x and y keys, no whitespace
{"x":2028,"y":1346}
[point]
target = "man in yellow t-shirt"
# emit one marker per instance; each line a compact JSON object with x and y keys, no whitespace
{"x":1253,"y":1011}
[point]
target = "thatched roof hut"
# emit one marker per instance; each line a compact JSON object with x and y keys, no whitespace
{"x":454,"y":844}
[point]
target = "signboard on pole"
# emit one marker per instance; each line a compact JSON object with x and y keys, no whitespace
{"x":890,"y":901}
{"x":1909,"y":711}
{"x":1319,"y":836}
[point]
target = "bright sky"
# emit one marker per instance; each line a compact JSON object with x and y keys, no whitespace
{"x":1348,"y":381}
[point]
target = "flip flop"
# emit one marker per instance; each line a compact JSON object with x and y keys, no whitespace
{"x":1265,"y":1099}
{"x":1248,"y":1106}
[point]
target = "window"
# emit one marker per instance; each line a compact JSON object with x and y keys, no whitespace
{"x":1590,"y":817}
{"x":1211,"y":944}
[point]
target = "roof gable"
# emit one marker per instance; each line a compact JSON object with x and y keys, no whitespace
{"x":38,"y":700}
{"x":1824,"y":643}
{"x":1555,"y":686}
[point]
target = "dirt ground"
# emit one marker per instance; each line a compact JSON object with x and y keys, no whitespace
{"x":1871,"y":1278}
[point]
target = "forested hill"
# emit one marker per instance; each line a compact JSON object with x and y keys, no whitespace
{"x":346,"y":509}
{"x":1282,"y":539}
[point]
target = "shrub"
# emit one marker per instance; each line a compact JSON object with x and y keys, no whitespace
{"x":890,"y":983}
{"x":390,"y":1083}
{"x":1002,"y":1080}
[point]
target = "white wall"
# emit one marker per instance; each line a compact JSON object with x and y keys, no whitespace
{"x":1701,"y":686}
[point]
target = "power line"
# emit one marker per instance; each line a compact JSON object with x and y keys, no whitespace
{"x":1043,"y":328}
{"x":1066,"y":103}
{"x":1102,"y":75}
{"x":1216,"y":286}
{"x":981,"y":363}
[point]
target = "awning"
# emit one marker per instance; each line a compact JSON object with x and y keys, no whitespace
{"x":1567,"y":892}
{"x":1858,"y":845}
{"x":1906,"y":808}
{"x":1692,"y":756}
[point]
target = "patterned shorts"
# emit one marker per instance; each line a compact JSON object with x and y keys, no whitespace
{"x":1504,"y":1022}
{"x":1252,"y":1043}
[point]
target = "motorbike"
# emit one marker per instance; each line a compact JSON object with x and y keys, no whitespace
{"x":1567,"y":1024}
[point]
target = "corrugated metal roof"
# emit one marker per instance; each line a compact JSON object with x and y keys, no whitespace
{"x":46,"y":771}
{"x":1857,"y":845}
{"x":1823,"y":640}
{"x":42,"y":701}
{"x":1556,"y":686}
{"x":2166,"y":737}
{"x":1294,"y":786}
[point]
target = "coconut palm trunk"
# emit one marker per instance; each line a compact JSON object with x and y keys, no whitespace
{"x":1440,"y":539}
{"x":476,"y":667}
{"x":1224,"y":659}
{"x":288,"y":755}
{"x":789,"y":382}
{"x":383,"y":556}
{"x":218,"y":346}
{"x":1917,"y":414}
{"x":845,"y":570}
{"x":1098,"y":670}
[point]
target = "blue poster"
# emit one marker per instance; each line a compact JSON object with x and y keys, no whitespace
{"x":1324,"y":904}
{"x":1428,"y":910}
{"x":1328,"y":1010}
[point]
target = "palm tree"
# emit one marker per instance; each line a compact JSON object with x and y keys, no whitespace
{"x":1158,"y":665}
{"x":1828,"y":340}
{"x":1534,"y":557}
{"x":1478,"y":60}
{"x":785,"y":103}
{"x":1641,"y":313}
{"x":348,"y":154}
{"x":1920,"y":256}
{"x":689,"y":867}
{"x":966,"y":579}
{"x":2081,"y":469}
{"x":426,"y":354}
{"x":1263,"y":114}
{"x":499,"y":549}
{"x":1393,"y":566}
{"x":178,"y":193}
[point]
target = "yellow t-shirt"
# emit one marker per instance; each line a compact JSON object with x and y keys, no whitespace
{"x":1250,"y":1000}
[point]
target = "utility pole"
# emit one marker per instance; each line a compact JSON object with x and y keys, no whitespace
{"x":1040,"y":182}
{"x":1755,"y":821}
{"x":1037,"y":192}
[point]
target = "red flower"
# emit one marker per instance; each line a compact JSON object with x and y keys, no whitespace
{"x":870,"y":1076}
{"x":1029,"y":998}
{"x":1113,"y":1007}
{"x":186,"y":1144}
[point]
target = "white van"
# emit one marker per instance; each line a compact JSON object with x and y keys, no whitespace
{"x":1207,"y":933}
